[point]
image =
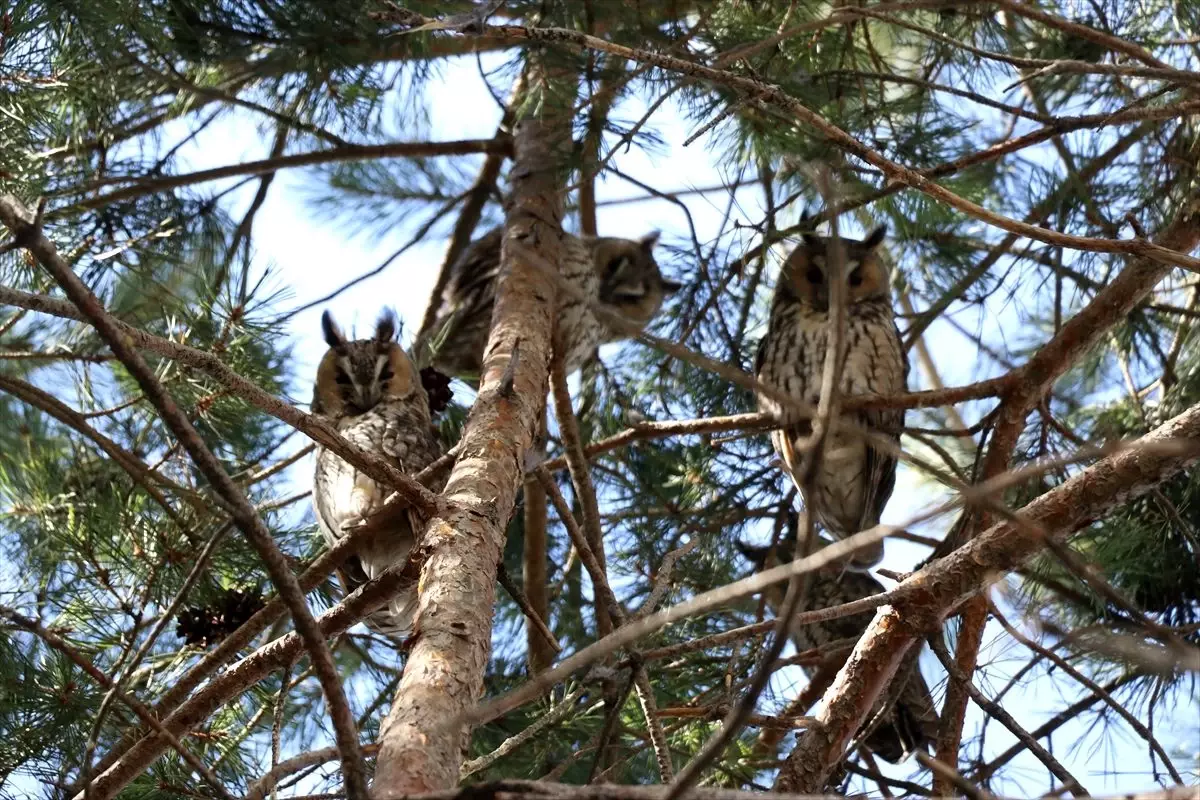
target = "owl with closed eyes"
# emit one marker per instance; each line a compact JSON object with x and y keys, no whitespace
{"x":371,"y":392}
{"x":904,"y":719}
{"x":620,"y":275}
{"x":855,"y":478}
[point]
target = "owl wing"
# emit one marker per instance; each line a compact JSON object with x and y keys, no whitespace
{"x":880,"y":466}
{"x":464,"y":313}
{"x":783,"y":439}
{"x":472,"y":286}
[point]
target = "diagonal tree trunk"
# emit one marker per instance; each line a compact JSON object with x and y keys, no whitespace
{"x":443,"y":677}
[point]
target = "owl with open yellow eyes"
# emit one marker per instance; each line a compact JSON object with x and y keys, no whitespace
{"x":855,"y":478}
{"x":371,"y":392}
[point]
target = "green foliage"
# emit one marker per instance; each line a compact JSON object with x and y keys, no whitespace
{"x":104,"y":106}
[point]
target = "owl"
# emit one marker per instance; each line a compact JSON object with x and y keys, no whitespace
{"x":370,"y":391}
{"x":905,"y":719}
{"x":619,"y":274}
{"x":854,"y":479}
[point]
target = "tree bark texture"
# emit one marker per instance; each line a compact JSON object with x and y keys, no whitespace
{"x":419,"y":751}
{"x":924,"y":600}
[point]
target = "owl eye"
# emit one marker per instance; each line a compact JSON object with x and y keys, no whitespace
{"x":343,"y":379}
{"x":815,"y":276}
{"x":856,"y":277}
{"x":386,"y":375}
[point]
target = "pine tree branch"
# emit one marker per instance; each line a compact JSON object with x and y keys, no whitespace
{"x":1095,"y":688}
{"x":608,"y":611}
{"x":361,"y":152}
{"x":534,"y":560}
{"x":468,"y":219}
{"x":27,"y":233}
{"x":536,"y":623}
{"x":137,"y":470}
{"x":1037,"y":215}
{"x":763,"y":421}
{"x":547,"y":790}
{"x":125,"y":762}
{"x":605,"y":598}
{"x":985,"y":772}
{"x":996,"y":712}
{"x":143,"y":713}
{"x":894,"y":172}
{"x":1033,"y":380}
{"x":701,"y":603}
{"x":552,"y":717}
{"x":443,"y":677}
{"x":314,"y":427}
{"x":924,"y":599}
{"x":1062,"y":66}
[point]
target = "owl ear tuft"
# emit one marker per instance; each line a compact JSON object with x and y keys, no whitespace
{"x":875,"y":237}
{"x":811,"y":240}
{"x":385,"y":326}
{"x":649,"y":241}
{"x":333,"y":334}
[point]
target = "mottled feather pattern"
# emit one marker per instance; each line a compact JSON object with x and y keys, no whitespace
{"x":620,"y":274}
{"x":855,"y":480}
{"x":370,"y":390}
{"x":905,"y":719}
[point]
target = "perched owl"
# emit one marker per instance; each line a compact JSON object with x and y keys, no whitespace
{"x":855,"y":479}
{"x":905,"y":719}
{"x":370,"y":390}
{"x":620,"y":274}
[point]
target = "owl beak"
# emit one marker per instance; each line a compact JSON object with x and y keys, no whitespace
{"x":366,"y":397}
{"x":822,"y":297}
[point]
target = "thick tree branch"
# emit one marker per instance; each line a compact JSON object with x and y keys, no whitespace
{"x":1033,"y":381}
{"x":444,"y":674}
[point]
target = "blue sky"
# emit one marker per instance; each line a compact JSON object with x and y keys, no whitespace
{"x":309,"y":258}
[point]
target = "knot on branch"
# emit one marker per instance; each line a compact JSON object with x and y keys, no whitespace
{"x":26,"y":227}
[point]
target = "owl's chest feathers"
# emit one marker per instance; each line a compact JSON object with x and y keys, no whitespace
{"x":795,"y":349}
{"x":396,"y":430}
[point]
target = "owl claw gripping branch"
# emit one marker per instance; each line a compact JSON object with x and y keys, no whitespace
{"x":854,"y":479}
{"x":370,"y":389}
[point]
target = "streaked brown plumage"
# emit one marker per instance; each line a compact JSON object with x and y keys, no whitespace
{"x":621,"y":274}
{"x":855,"y":479}
{"x":904,"y":720}
{"x":370,"y":390}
